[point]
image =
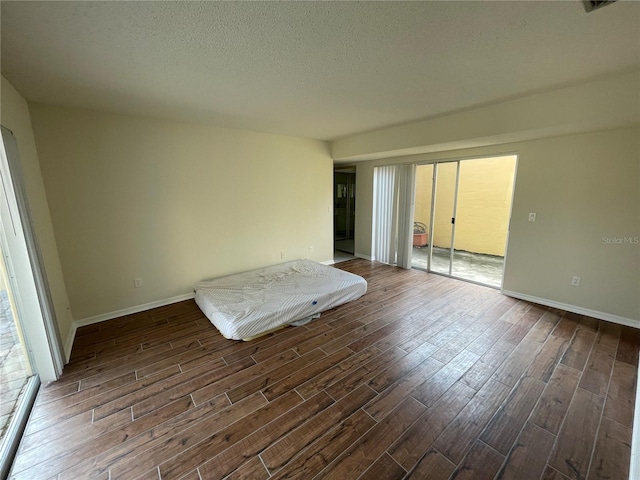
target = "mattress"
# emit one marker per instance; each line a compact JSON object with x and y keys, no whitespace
{"x":248,"y":304}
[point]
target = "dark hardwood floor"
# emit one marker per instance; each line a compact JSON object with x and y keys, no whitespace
{"x":424,"y":377}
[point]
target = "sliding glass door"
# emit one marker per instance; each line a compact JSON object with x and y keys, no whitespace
{"x":468,"y":204}
{"x":15,"y":362}
{"x":33,"y":326}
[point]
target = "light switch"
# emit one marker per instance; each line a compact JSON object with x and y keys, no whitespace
{"x":532,"y":217}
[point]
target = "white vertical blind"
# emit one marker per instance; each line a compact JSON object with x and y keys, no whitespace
{"x":393,"y":199}
{"x":406,"y":181}
{"x":384,"y":202}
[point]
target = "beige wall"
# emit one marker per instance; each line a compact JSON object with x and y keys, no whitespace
{"x":603,"y":104}
{"x":585,"y":190}
{"x":484,"y":203}
{"x":578,"y":161}
{"x":175,"y":203}
{"x":15,"y":116}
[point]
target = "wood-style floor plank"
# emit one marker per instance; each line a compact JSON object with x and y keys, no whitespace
{"x":357,"y":458}
{"x":434,"y":466}
{"x":233,"y":457}
{"x":505,"y":426}
{"x":528,"y":456}
{"x":620,"y":397}
{"x":385,"y":468}
{"x":578,"y":351}
{"x":278,"y":455}
{"x":612,"y":453}
{"x":253,"y":469}
{"x":424,"y":377}
{"x":388,"y":398}
{"x":576,"y":439}
{"x":555,"y":400}
{"x":437,"y":385}
{"x":419,"y":438}
{"x":318,"y":455}
{"x":145,"y":448}
{"x":463,"y":431}
{"x":481,"y":462}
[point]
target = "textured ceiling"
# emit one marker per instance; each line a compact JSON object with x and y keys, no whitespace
{"x":313,"y":69}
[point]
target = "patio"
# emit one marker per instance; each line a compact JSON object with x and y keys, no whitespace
{"x":14,"y":369}
{"x":476,"y":267}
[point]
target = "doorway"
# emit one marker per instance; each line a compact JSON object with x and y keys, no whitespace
{"x":344,"y":209}
{"x":461,"y":219}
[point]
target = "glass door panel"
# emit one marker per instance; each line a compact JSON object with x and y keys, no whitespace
{"x":422,"y":216}
{"x":15,"y":368}
{"x":443,"y":227}
{"x":485,"y":188}
{"x":469,"y":214}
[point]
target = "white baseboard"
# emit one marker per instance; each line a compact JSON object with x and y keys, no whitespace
{"x":118,"y":313}
{"x":629,"y":322}
{"x":68,"y":344}
{"x":365,"y":257}
{"x":328,"y":262}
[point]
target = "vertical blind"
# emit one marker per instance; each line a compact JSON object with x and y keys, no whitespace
{"x":393,"y":201}
{"x":384,"y":214}
{"x":406,"y":179}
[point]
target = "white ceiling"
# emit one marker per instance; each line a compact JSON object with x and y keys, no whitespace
{"x":312,"y":69}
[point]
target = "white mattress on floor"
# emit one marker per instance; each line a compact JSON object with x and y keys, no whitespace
{"x":247,"y":304}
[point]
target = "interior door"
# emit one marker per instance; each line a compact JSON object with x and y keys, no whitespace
{"x":341,"y":206}
{"x":344,"y":204}
{"x":351,"y":194}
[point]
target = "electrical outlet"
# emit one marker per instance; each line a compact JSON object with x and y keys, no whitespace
{"x":137,"y":282}
{"x":310,"y":248}
{"x":532,"y":217}
{"x":575,"y":281}
{"x":282,"y":254}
